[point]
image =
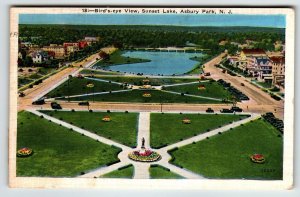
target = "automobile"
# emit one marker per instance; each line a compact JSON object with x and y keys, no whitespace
{"x":226,"y":111}
{"x":242,"y":84}
{"x":236,"y":109}
{"x":209,"y":110}
{"x":21,"y":94}
{"x":207,"y":74}
{"x":55,"y":105}
{"x":39,"y":102}
{"x":85,"y":103}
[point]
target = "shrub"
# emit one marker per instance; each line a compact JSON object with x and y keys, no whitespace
{"x":108,"y":111}
{"x":90,"y":110}
{"x":207,"y":138}
{"x":73,"y":110}
{"x":219,"y":133}
{"x":126,"y":112}
{"x":41,"y":116}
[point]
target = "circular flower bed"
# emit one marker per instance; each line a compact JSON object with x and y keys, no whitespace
{"x":146,"y":94}
{"x":106,"y":119}
{"x":24,"y":152}
{"x":257,"y":158}
{"x":146,"y":81}
{"x":201,"y":87}
{"x":90,"y":85}
{"x":144,"y":156}
{"x":186,"y":121}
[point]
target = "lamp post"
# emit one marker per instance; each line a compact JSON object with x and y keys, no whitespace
{"x":161,"y":103}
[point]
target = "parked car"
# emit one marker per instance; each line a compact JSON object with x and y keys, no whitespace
{"x":242,"y":84}
{"x":209,"y":110}
{"x":236,"y":109}
{"x":21,"y":94}
{"x":226,"y":111}
{"x":207,"y":74}
{"x":85,"y":103}
{"x":39,"y":102}
{"x":55,"y":105}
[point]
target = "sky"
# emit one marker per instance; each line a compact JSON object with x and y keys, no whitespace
{"x":157,"y":19}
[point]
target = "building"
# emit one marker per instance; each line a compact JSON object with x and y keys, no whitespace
{"x":278,"y":70}
{"x":91,"y":39}
{"x":82,"y":44}
{"x":39,"y":57}
{"x":249,"y":53}
{"x":71,"y":47}
{"x":58,"y":50}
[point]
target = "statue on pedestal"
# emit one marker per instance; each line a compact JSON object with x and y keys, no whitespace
{"x":143,"y":143}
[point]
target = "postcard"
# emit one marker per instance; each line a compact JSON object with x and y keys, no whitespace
{"x":166,"y":98}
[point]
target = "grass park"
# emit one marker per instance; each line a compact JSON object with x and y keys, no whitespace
{"x":208,"y":89}
{"x":121,"y":128}
{"x":160,"y":172}
{"x":136,"y":96}
{"x":227,"y":156}
{"x":58,"y":151}
{"x":76,"y":86}
{"x":125,"y":172}
{"x":161,"y":134}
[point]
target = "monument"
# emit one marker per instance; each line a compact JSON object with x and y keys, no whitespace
{"x":144,"y":155}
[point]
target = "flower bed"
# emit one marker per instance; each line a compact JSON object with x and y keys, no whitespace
{"x":201,"y":87}
{"x":146,"y":94}
{"x":144,"y":156}
{"x":257,"y":158}
{"x":24,"y":152}
{"x":90,"y":85}
{"x":106,"y":119}
{"x":186,"y":121}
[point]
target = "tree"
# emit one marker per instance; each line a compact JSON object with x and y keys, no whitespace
{"x":28,"y":62}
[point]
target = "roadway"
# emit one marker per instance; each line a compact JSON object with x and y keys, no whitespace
{"x":260,"y":101}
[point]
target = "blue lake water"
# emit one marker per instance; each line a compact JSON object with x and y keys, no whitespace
{"x":166,"y":63}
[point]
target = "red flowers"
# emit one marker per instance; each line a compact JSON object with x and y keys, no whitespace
{"x":257,"y":158}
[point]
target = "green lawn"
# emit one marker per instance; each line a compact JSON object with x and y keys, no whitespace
{"x":58,"y":151}
{"x":212,"y":89}
{"x":153,"y":81}
{"x":168,"y":128}
{"x":125,"y":173}
{"x":117,"y":58}
{"x":78,"y":86}
{"x":122,"y":127}
{"x":137,"y":96}
{"x":265,"y":85}
{"x":159,"y":172}
{"x":226,"y":156}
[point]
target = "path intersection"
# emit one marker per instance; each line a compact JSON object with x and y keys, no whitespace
{"x":141,"y":169}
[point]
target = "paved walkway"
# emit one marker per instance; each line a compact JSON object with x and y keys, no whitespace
{"x":81,"y":131}
{"x":103,"y":80}
{"x":141,"y":170}
{"x":191,"y":95}
{"x":203,"y":136}
{"x":90,"y":94}
{"x":144,"y":129}
{"x":188,"y":83}
{"x":103,"y":170}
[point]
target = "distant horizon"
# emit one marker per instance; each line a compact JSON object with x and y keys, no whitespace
{"x":264,"y":21}
{"x":167,"y":25}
